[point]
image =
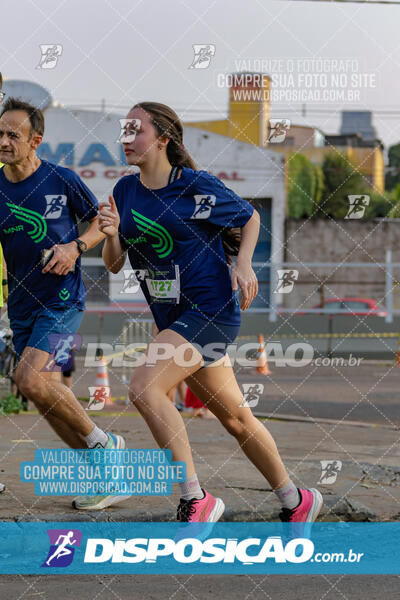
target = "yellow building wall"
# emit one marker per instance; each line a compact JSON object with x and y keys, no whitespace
{"x":220,"y":127}
{"x":248,"y":112}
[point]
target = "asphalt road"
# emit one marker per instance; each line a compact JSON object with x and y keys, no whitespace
{"x":368,"y":392}
{"x":198,"y":587}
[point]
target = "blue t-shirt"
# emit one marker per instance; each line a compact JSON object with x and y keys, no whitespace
{"x":173,"y":240}
{"x":36,"y":213}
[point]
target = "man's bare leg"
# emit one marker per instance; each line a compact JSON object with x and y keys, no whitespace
{"x":55,"y":401}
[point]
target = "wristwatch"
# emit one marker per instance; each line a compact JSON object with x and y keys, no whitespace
{"x":82,"y":246}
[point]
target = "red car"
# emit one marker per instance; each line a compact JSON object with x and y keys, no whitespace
{"x":351,"y":306}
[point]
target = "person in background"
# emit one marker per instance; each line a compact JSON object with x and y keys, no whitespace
{"x":181,"y":389}
{"x":196,"y":407}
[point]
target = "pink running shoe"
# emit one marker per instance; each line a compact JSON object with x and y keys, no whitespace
{"x":198,"y":516}
{"x":307,"y":511}
{"x":298,"y":521}
{"x":204,"y":510}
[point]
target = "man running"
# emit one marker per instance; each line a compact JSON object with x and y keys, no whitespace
{"x":46,"y":299}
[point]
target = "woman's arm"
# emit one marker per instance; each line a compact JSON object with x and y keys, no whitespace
{"x":112,"y":253}
{"x":242,"y":271}
{"x":249,"y":238}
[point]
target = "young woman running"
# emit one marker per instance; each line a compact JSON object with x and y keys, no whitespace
{"x":176,"y":233}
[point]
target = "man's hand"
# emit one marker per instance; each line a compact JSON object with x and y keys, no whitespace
{"x":63,"y":259}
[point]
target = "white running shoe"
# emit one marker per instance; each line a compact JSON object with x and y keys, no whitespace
{"x":115,"y":442}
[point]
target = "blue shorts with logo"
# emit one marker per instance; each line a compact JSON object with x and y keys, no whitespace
{"x":197,"y":330}
{"x":35,"y":330}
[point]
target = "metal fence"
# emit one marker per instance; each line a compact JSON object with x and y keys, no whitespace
{"x":136,"y":331}
{"x":385,"y":283}
{"x":318,"y":280}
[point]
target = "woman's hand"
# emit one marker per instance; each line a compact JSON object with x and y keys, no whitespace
{"x":243,"y":274}
{"x":109,"y":218}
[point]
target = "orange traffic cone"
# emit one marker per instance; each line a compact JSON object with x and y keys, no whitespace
{"x":102,"y":381}
{"x":262,"y":363}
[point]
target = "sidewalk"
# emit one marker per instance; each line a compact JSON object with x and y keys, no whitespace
{"x":367,"y":487}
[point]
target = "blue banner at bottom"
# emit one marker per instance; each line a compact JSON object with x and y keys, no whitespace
{"x":214,"y":548}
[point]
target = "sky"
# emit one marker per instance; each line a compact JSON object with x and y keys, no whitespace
{"x":124,"y":51}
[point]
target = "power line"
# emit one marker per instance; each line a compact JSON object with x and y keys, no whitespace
{"x":224,"y":113}
{"x":353,"y":1}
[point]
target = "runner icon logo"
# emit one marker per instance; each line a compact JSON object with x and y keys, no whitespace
{"x":54,"y":206}
{"x":357,"y":206}
{"x":204,"y":204}
{"x":50,"y":54}
{"x":203,"y":54}
{"x":251,"y":394}
{"x":286,"y":279}
{"x":132,"y":280}
{"x":330,"y":470}
{"x":62,"y":547}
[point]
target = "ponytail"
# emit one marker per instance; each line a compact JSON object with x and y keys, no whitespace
{"x":231,"y":239}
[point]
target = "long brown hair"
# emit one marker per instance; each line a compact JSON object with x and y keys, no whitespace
{"x":168,"y":124}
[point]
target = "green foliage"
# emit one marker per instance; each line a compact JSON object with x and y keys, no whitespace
{"x":319,"y":188}
{"x":380,"y":205}
{"x":395,"y":210}
{"x":322,"y":192}
{"x":10,"y":404}
{"x":304,"y":186}
{"x":392,"y":177}
{"x":340,"y":180}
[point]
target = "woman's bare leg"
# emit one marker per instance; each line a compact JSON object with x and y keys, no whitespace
{"x":149,"y":392}
{"x":217,"y":388}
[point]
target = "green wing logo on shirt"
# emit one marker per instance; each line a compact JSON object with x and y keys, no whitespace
{"x":163,"y":243}
{"x":33,"y":218}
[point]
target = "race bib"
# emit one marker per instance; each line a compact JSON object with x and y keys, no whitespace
{"x":163,"y":284}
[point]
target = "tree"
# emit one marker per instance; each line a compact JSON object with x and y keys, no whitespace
{"x":380,"y":205}
{"x":392,"y":177}
{"x":395,"y":210}
{"x":304,"y":186}
{"x":341,"y":179}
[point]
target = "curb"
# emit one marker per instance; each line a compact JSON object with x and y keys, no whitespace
{"x":280,"y":417}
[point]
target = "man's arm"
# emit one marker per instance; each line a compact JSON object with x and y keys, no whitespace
{"x":66,"y":254}
{"x":92,"y":235}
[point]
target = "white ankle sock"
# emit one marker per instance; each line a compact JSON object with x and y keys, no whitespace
{"x":96,"y":436}
{"x":288,"y":495}
{"x":191,"y":488}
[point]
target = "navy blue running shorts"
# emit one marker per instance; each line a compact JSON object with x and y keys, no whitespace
{"x":210,"y":338}
{"x":35,"y":330}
